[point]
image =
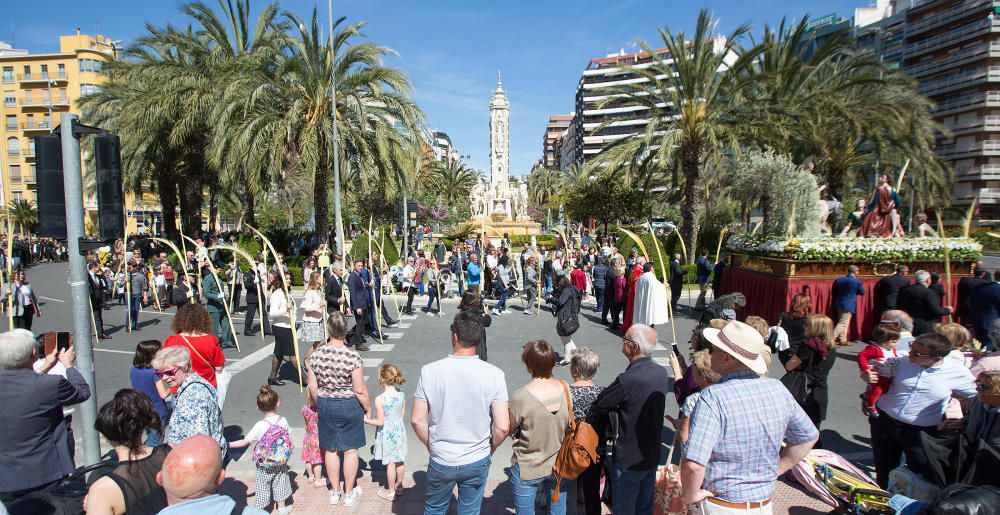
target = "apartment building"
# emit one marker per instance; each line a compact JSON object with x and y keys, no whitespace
{"x":37,"y":89}
{"x":599,"y":82}
{"x":553,"y":139}
{"x":443,"y":149}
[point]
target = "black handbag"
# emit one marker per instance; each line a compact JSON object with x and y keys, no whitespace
{"x":797,"y":382}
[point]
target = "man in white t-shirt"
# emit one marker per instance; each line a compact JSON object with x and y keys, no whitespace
{"x":460,"y":413}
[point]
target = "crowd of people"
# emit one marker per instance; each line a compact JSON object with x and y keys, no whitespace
{"x":921,"y":379}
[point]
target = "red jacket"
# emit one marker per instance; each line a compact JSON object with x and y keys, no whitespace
{"x":579,"y":279}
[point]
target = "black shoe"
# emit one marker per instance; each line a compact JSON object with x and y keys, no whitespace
{"x":275,"y":382}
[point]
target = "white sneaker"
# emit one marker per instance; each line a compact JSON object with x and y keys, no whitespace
{"x":285,"y":511}
{"x":352,"y":497}
{"x":335,"y":497}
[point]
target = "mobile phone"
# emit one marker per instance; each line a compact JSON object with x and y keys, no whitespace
{"x":677,"y":350}
{"x":62,"y":340}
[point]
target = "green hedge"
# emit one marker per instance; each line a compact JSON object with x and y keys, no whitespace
{"x":519,"y":241}
{"x":988,"y":242}
{"x":361,"y":244}
{"x":296,"y":272}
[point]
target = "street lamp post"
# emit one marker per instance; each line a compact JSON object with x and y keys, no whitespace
{"x":338,"y":219}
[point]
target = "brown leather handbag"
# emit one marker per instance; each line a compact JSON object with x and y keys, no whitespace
{"x":578,"y":450}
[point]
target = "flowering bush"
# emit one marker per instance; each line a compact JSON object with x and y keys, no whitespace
{"x":857,"y":250}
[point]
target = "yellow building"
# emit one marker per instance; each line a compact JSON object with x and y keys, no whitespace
{"x":37,"y":89}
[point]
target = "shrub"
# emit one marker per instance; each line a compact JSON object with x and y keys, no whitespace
{"x":626,"y":244}
{"x":361,"y":244}
{"x":296,"y":272}
{"x":988,"y":242}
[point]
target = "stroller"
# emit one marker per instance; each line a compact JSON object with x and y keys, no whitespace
{"x":840,"y":484}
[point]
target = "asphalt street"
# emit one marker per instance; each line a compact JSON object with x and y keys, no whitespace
{"x":418,"y":340}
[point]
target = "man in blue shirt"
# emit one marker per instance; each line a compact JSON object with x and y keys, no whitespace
{"x":473,"y":273}
{"x":734,"y":451}
{"x":846,"y":291}
{"x":704,"y":274}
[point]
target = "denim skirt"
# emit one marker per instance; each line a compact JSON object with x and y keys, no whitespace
{"x":341,"y":424}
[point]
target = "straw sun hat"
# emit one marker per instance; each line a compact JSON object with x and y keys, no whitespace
{"x":740,"y":341}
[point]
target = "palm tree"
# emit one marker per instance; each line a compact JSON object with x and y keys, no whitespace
{"x":454,"y":181}
{"x":23,"y":213}
{"x":693,"y":104}
{"x":543,"y":185}
{"x":280,"y":115}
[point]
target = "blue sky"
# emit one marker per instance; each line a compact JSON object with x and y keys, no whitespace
{"x":452,"y":49}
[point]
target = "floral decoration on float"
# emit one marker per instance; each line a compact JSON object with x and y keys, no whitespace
{"x":857,"y":250}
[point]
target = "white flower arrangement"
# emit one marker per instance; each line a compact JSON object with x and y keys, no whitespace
{"x":858,"y":250}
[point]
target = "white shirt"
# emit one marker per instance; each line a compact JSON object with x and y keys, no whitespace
{"x":491,"y":261}
{"x":277,"y":308}
{"x":919,"y":395}
{"x":407,"y":276}
{"x":459,"y":391}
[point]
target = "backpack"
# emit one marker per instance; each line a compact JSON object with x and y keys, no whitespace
{"x":620,"y":285}
{"x":274,"y":447}
{"x":578,"y":450}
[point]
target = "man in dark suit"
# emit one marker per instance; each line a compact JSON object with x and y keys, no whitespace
{"x":360,"y":302}
{"x":887,"y":289}
{"x":255,"y":295}
{"x":986,"y":308}
{"x":921,"y":303}
{"x":97,"y":287}
{"x":846,"y":291}
{"x":676,"y":282}
{"x":35,"y":449}
{"x":720,"y":268}
{"x":966,"y":287}
{"x":334,"y":287}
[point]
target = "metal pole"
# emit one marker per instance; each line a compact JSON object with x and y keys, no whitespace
{"x":406,"y":231}
{"x":82,"y":337}
{"x":338,"y":218}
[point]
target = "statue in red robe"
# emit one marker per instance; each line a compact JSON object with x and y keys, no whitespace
{"x":881,"y":219}
{"x":630,"y":300}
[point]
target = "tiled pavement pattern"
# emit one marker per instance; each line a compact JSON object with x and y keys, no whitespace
{"x":499,"y":499}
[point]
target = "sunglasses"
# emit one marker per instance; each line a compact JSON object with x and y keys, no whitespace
{"x":169,"y":372}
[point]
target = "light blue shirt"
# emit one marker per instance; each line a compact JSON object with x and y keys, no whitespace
{"x":919,"y":395}
{"x":473,"y":274}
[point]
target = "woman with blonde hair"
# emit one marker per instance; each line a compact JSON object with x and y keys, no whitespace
{"x":815,"y":356}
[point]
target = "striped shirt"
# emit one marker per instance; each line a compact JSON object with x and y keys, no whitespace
{"x":737,"y":428}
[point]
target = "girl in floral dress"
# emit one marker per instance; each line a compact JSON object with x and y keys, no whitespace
{"x":390,"y":432}
{"x":311,"y":454}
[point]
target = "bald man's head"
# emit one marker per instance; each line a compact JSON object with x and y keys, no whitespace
{"x":192,"y":470}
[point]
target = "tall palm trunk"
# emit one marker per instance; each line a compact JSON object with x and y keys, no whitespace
{"x":191,"y":193}
{"x":249,"y":204}
{"x":321,"y":195}
{"x":166,"y":184}
{"x":213,"y":208}
{"x":692,"y":159}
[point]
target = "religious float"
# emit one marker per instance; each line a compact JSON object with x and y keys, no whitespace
{"x":770,"y":271}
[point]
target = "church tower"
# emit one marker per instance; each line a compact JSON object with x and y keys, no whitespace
{"x":499,"y":137}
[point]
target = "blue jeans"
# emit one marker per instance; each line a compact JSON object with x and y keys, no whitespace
{"x":153,"y":438}
{"x":525,"y":490}
{"x":431,"y":295}
{"x":599,"y":296}
{"x":632,"y":490}
{"x":548,"y":284}
{"x":502,"y":305}
{"x":461,"y":283}
{"x":471,"y":481}
{"x":133,"y":314}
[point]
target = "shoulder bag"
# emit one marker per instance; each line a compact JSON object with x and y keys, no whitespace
{"x":667,"y":490}
{"x":797,"y":381}
{"x":222,"y":377}
{"x":578,"y":450}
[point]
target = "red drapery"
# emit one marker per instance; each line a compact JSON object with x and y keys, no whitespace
{"x":768,"y":296}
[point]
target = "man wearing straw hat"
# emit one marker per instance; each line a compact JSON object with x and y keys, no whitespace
{"x":733,"y":454}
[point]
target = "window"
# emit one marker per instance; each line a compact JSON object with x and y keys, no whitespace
{"x":13,"y":146}
{"x":27,"y":72}
{"x":15,"y":173}
{"x":8,"y":74}
{"x":11,"y":122}
{"x":45,"y":71}
{"x":31,"y":122}
{"x":89,"y":89}
{"x":48,"y":121}
{"x":31,"y":151}
{"x":16,"y":195}
{"x":62,"y":71}
{"x":9,"y":99}
{"x":91,"y":65}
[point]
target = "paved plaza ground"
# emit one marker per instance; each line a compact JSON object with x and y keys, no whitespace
{"x":420,"y":340}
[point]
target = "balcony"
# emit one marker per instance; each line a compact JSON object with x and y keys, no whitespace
{"x":13,"y":153}
{"x":952,"y":13}
{"x":960,"y":80}
{"x":985,"y":123}
{"x":32,"y":101}
{"x":954,"y":36}
{"x":978,"y":172}
{"x":980,"y":148}
{"x":35,"y":127}
{"x":28,"y":178}
{"x":967,"y":102}
{"x":953,"y":60}
{"x":41,"y":77}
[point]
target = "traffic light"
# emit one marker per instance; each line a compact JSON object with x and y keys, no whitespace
{"x":110,"y":200}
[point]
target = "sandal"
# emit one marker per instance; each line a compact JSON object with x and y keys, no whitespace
{"x":387,"y":495}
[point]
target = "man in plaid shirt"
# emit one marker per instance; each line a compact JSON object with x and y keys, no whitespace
{"x":733,"y":454}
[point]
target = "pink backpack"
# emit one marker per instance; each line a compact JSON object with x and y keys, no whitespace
{"x":620,"y":286}
{"x":274,"y":448}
